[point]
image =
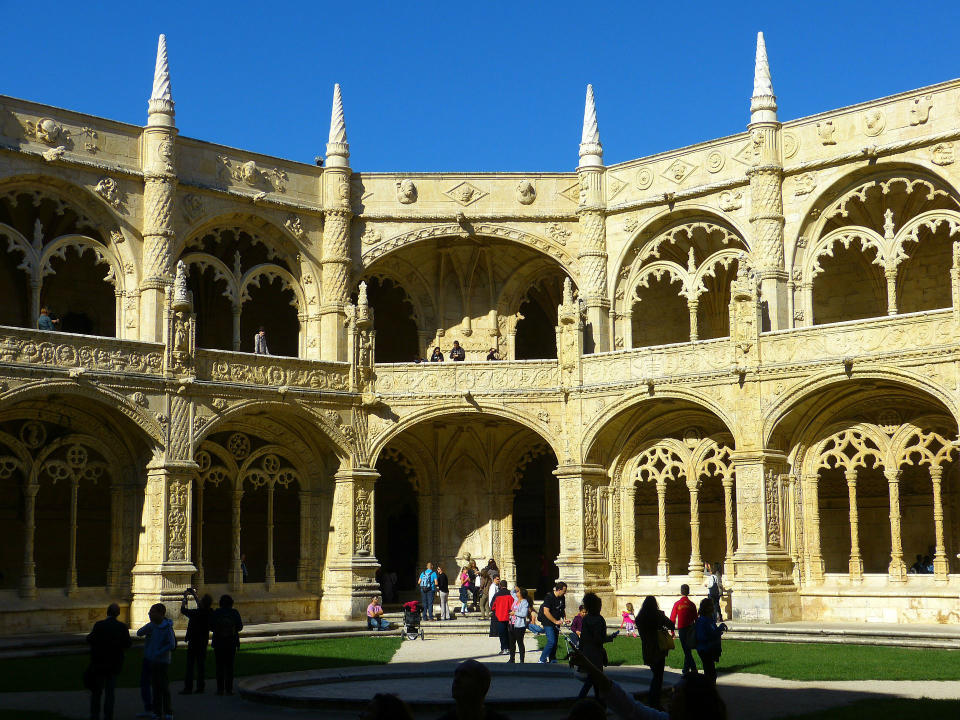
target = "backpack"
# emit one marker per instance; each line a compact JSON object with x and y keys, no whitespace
{"x":224,"y":629}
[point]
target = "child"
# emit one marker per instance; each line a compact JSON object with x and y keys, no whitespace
{"x":629,"y":622}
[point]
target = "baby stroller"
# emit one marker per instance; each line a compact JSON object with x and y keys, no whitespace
{"x":411,"y":620}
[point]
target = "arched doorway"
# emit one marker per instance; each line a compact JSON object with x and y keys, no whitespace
{"x":536,"y":523}
{"x":396,"y":525}
{"x":393,"y":321}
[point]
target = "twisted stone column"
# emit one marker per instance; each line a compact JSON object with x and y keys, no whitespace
{"x":941,"y":566}
{"x":695,"y":568}
{"x":28,"y":579}
{"x":856,"y":562}
{"x":663,"y":567}
{"x":898,"y":569}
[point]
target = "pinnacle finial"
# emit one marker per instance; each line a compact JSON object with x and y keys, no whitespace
{"x":591,"y":151}
{"x":161,"y":99}
{"x":763,"y":103}
{"x":338,"y":149}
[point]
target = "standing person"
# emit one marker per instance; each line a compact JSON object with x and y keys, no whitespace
{"x":485,"y":581}
{"x":443,"y":592}
{"x":457,"y":353}
{"x":576,"y":625}
{"x":684,"y":617}
{"x":375,"y":618}
{"x":628,"y":621}
{"x":553,"y":610}
{"x":45,"y":322}
{"x":593,"y":636}
{"x":500,"y":616}
{"x":107,"y":640}
{"x":198,"y":634}
{"x":712,"y":583}
{"x":519,"y":617}
{"x":650,"y":621}
{"x":436,"y":355}
{"x":226,"y":625}
{"x":244,"y":573}
{"x":260,"y":342}
{"x":428,"y":586}
{"x":158,"y":651}
{"x":708,"y":634}
{"x":493,"y":354}
{"x":466,"y":590}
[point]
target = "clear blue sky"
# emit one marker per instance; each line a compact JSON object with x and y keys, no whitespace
{"x":469,"y":86}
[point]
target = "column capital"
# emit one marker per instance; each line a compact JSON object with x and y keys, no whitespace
{"x":358,"y":474}
{"x":585,"y":470}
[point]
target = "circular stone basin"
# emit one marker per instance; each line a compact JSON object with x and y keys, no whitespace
{"x":426,"y":686}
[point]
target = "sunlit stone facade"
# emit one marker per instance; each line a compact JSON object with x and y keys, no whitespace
{"x":744,"y":351}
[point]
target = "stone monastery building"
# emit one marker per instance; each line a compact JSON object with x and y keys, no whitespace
{"x":743,"y":352}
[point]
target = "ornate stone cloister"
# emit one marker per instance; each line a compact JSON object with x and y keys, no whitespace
{"x":742,"y":352}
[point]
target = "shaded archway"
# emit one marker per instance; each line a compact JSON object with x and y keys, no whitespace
{"x":536,"y":523}
{"x":850,"y":287}
{"x":273,"y":307}
{"x":396,"y":522}
{"x":79,"y":294}
{"x":393,"y":321}
{"x":536,"y":332}
{"x":660,"y":314}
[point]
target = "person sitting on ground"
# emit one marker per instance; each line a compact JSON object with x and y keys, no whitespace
{"x":457,"y":353}
{"x":436,"y":356}
{"x":708,"y":633}
{"x":45,"y":322}
{"x":375,"y":618}
{"x":108,"y":640}
{"x":386,"y":706}
{"x":694,"y":697}
{"x":471,"y":681}
{"x":494,"y":354}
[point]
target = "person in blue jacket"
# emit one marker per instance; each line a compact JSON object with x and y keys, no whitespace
{"x":158,"y":652}
{"x":708,"y":635}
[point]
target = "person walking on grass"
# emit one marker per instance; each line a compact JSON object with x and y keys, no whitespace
{"x":708,"y":635}
{"x":593,"y":636}
{"x":553,"y":610}
{"x":519,"y":617}
{"x":443,"y":592}
{"x":684,"y":617}
{"x":428,"y":586}
{"x":198,"y":635}
{"x":650,"y":623}
{"x":108,"y":640}
{"x":226,"y":625}
{"x":158,"y":651}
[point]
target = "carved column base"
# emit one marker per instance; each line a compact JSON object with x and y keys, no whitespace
{"x":663,"y":570}
{"x":348,"y":588}
{"x":856,"y":570}
{"x":897,"y":571}
{"x":161,"y":583}
{"x":583,"y":574}
{"x":763,"y":590}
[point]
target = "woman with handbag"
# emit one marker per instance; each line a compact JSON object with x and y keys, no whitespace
{"x":656,"y":641}
{"x":593,"y":636}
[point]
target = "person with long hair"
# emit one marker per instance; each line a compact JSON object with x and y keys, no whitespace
{"x":593,"y":636}
{"x":466,"y":590}
{"x":650,"y":621}
{"x":708,"y":635}
{"x":519,"y":617}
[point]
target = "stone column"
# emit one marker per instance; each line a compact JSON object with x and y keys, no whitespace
{"x":270,"y":573}
{"x":236,"y":311}
{"x":235,"y":574}
{"x":28,"y":579}
{"x":35,"y":286}
{"x":897,"y":570}
{"x":663,"y":566}
{"x":695,"y":568}
{"x":508,"y":566}
{"x":763,"y":587}
{"x":349,"y":579}
{"x":198,"y":524}
{"x":115,"y":569}
{"x":581,"y":563}
{"x":592,"y":254}
{"x":626,"y":328}
{"x":72,"y":567}
{"x":728,"y":522}
{"x":955,"y":282}
{"x":856,"y":562}
{"x":335,"y":260}
{"x":692,"y":305}
{"x":811,"y":514}
{"x":941,"y":566}
{"x":628,"y":531}
{"x":163,"y":569}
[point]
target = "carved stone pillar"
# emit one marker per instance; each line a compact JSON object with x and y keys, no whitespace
{"x":763,"y":586}
{"x":28,"y":578}
{"x":891,"y":275}
{"x":349,"y":579}
{"x":663,"y":565}
{"x":163,"y":569}
{"x":570,"y":338}
{"x":811,"y":514}
{"x":270,"y":573}
{"x":628,"y":531}
{"x":198,"y":536}
{"x":508,"y":565}
{"x":236,"y":311}
{"x":115,"y":568}
{"x":806,"y":295}
{"x":728,"y":522}
{"x":626,"y":329}
{"x":955,"y":282}
{"x":35,"y":286}
{"x":941,"y":566}
{"x":695,"y":568}
{"x":235,"y":573}
{"x":898,"y":569}
{"x":692,"y":305}
{"x":581,"y":563}
{"x":72,"y":586}
{"x":856,"y":562}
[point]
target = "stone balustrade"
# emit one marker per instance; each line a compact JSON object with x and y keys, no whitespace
{"x":67,"y":350}
{"x":271,"y":370}
{"x":460,"y":377}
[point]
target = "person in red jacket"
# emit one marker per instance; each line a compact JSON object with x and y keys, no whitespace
{"x":684,"y":616}
{"x":500,"y":622}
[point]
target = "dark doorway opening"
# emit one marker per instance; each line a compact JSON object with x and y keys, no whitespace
{"x":536,"y":524}
{"x":397,"y":530}
{"x":393,"y":322}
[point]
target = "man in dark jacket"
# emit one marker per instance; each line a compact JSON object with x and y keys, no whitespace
{"x":108,"y":640}
{"x":552,"y":616}
{"x":225,"y":624}
{"x":198,"y":633}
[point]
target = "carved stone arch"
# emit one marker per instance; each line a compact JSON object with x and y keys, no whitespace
{"x":845,"y":445}
{"x":104,"y":397}
{"x":923,"y":441}
{"x":112,"y":461}
{"x":254,"y":274}
{"x":713,"y":456}
{"x":808,"y":387}
{"x":82,"y":243}
{"x":221,"y":453}
{"x":400,"y":453}
{"x":868,"y":239}
{"x":478,"y":408}
{"x":524,"y":458}
{"x":931,"y":220}
{"x":657,"y":270}
{"x":493,"y":231}
{"x":333,"y":436}
{"x":281,"y":454}
{"x":658,"y":459}
{"x":420,"y":299}
{"x":261,"y":230}
{"x":516,"y":286}
{"x":22,"y":456}
{"x":708,"y":268}
{"x":221,"y":272}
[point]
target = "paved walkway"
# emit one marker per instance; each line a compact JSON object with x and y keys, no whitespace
{"x":749,"y":697}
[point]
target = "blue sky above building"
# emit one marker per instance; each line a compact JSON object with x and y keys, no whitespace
{"x":471,"y":87}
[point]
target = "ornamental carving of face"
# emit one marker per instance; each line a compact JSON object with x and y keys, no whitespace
{"x":48,"y":131}
{"x":249,"y":173}
{"x":406,"y":191}
{"x":526,"y":193}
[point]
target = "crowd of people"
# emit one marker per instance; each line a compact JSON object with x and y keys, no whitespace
{"x":109,"y":639}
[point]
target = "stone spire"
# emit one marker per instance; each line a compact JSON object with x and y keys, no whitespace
{"x":591,"y":151}
{"x":338,"y":149}
{"x":161,"y":99}
{"x":763,"y":103}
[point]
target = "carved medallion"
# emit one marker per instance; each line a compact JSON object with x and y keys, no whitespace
{"x":644,"y":178}
{"x":874,"y":121}
{"x":465,"y":193}
{"x":678,"y":171}
{"x":715,"y":161}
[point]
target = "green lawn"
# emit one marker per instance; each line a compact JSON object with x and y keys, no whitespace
{"x":811,"y":661}
{"x":888,"y":709}
{"x":64,"y":672}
